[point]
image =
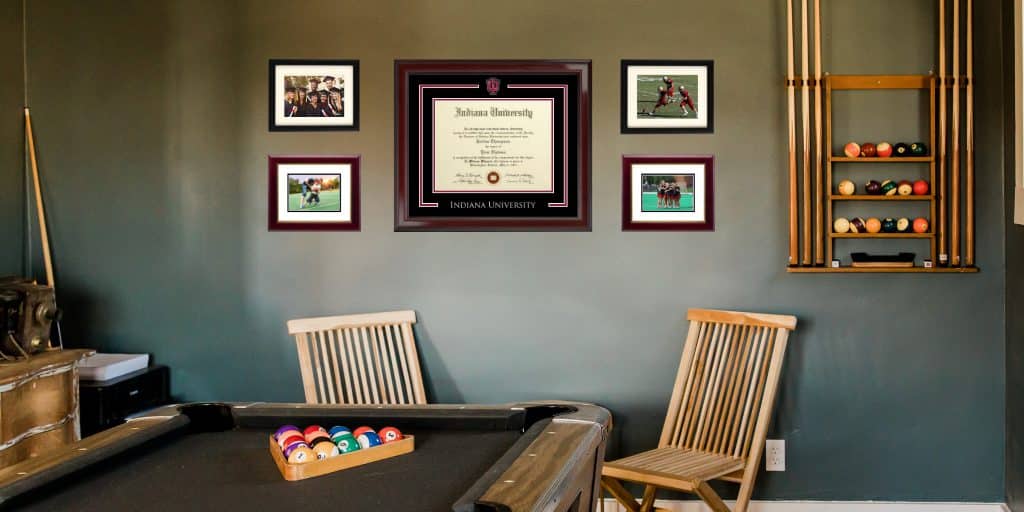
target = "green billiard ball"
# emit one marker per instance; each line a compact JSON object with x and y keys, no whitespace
{"x":918,"y":149}
{"x":889,"y":225}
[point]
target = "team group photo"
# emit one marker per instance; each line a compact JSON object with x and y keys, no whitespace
{"x":667,"y":193}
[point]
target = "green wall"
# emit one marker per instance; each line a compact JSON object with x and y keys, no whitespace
{"x":1014,"y":296}
{"x":151,"y":118}
{"x":11,"y":141}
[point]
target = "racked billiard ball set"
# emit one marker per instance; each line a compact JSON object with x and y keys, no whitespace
{"x":315,"y":451}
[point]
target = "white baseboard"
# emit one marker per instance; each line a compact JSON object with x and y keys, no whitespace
{"x":610,"y":505}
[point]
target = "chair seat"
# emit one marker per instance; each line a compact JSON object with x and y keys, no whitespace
{"x":681,"y":468}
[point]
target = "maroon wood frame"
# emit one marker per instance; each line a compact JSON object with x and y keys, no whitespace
{"x":628,"y":224}
{"x":275,"y":224}
{"x":402,"y":220}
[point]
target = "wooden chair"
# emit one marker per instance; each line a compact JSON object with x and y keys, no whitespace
{"x":718,"y":417}
{"x":359,"y":359}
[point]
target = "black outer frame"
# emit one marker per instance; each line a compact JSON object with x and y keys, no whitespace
{"x":580,"y":223}
{"x":624,"y":66}
{"x":274,"y":224}
{"x":311,"y":62}
{"x":628,"y":224}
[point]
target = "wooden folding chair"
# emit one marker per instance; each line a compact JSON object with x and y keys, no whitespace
{"x":359,"y":359}
{"x":718,"y":417}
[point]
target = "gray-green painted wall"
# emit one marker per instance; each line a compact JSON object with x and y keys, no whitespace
{"x":1014,"y":295}
{"x":11,"y":140}
{"x":151,"y":119}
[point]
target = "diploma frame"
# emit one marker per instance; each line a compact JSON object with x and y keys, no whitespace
{"x":693,"y":210}
{"x":428,"y":196}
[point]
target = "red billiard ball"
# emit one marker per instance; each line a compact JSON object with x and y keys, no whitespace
{"x":883,"y":150}
{"x":921,"y":188}
{"x":852,"y":150}
{"x":868,"y":150}
{"x":920,"y":225}
{"x":389,"y":435}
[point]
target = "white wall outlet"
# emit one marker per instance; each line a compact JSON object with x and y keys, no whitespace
{"x":775,"y":455}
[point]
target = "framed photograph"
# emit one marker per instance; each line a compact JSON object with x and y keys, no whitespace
{"x":492,"y":145}
{"x":668,"y":193}
{"x":668,"y":96}
{"x":312,"y":95}
{"x":313,"y":193}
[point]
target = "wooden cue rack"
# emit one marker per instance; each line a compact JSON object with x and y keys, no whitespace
{"x":951,"y":195}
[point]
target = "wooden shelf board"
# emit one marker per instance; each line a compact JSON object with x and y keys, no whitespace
{"x":865,"y":197}
{"x":868,"y":82}
{"x":881,"y":235}
{"x":882,"y":270}
{"x":878,"y":160}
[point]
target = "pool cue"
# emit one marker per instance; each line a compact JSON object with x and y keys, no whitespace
{"x":969,"y":133}
{"x":806,"y":103}
{"x":819,"y":232}
{"x":954,"y":167}
{"x":44,"y":238}
{"x":939,"y":189}
{"x":791,"y":94}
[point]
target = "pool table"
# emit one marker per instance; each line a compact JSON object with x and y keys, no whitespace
{"x":215,"y":456}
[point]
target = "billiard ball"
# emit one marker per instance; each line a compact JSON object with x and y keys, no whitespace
{"x":389,"y":435}
{"x":888,"y":225}
{"x":920,"y":225}
{"x":847,"y":188}
{"x":857,"y":225}
{"x":883,"y":149}
{"x":337,"y":431}
{"x":359,"y":431}
{"x":852,"y":150}
{"x":918,"y":149}
{"x":889,"y":188}
{"x":299,"y":454}
{"x":316,"y":434}
{"x":920,"y":188}
{"x":868,"y":150}
{"x":873,"y":225}
{"x":368,"y":439}
{"x":841,"y":225}
{"x":284,"y":429}
{"x":905,"y":188}
{"x":346,"y":443}
{"x":902,"y":149}
{"x":325,"y":449}
{"x":903,"y":225}
{"x":285,"y":441}
{"x":873,"y":188}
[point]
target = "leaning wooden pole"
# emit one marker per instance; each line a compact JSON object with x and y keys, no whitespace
{"x":819,"y":230}
{"x":969,"y":143}
{"x":44,"y":238}
{"x":806,"y":104}
{"x":791,"y":95}
{"x":954,"y":164}
{"x":940,"y":188}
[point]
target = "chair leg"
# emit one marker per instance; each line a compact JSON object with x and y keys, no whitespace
{"x":620,"y":493}
{"x":746,"y":491}
{"x":710,"y":497}
{"x":647,"y":503}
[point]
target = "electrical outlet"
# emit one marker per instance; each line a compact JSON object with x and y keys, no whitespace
{"x":775,"y":455}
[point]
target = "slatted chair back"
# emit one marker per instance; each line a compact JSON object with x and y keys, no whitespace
{"x":725,"y":389}
{"x":365,"y":359}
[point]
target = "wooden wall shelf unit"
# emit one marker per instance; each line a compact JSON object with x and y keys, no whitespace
{"x":812,"y":166}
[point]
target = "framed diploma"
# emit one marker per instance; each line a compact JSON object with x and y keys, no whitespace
{"x":492,"y":146}
{"x":668,"y":193}
{"x":313,"y":193}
